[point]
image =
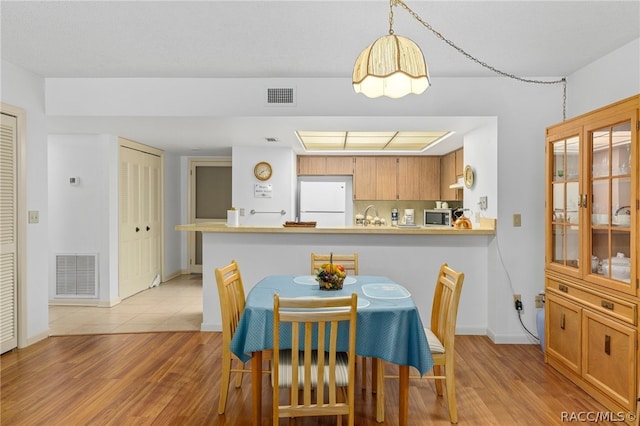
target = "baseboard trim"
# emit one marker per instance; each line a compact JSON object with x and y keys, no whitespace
{"x":36,"y":338}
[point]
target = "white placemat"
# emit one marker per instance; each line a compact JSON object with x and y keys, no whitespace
{"x":385,"y":291}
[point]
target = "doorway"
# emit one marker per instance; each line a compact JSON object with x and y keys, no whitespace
{"x":209,"y":200}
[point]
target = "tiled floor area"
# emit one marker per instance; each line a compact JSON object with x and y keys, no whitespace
{"x":175,"y":305}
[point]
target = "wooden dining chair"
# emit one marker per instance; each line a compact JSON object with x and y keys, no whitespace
{"x":350,"y":264}
{"x":349,"y":261}
{"x":232,"y":302}
{"x":324,"y":377}
{"x":442,"y":331}
{"x":441,"y":334}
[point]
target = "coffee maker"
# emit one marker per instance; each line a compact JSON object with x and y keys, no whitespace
{"x":409,"y":217}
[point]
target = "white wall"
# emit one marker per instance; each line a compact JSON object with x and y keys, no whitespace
{"x":25,"y":90}
{"x":80,"y":215}
{"x":282,"y":182}
{"x":481,"y":153}
{"x":173,"y":210}
{"x":611,"y":78}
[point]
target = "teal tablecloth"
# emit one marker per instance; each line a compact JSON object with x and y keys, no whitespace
{"x":388,"y":328}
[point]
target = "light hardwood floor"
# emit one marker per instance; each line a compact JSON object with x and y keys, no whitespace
{"x":172,"y":378}
{"x":175,"y":305}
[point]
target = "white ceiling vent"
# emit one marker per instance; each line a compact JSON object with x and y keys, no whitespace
{"x":282,"y":96}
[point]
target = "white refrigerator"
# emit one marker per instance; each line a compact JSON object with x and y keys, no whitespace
{"x":324,"y":203}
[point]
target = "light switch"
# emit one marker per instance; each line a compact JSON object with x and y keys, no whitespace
{"x":34,"y":216}
{"x":517,"y":219}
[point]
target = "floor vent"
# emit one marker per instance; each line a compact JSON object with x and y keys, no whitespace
{"x":281,"y":96}
{"x":76,"y":275}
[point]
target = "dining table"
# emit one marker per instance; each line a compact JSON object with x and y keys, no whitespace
{"x":388,"y":328}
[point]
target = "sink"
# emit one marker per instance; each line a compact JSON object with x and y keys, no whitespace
{"x":408,"y":226}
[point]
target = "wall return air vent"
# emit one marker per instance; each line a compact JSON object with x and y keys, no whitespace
{"x":76,"y":275}
{"x":283,"y":96}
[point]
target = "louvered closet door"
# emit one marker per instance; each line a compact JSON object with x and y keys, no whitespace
{"x":139,"y":221}
{"x":8,"y":235}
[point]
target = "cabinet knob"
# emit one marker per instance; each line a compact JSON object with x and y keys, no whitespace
{"x":562,"y":321}
{"x":607,"y":344}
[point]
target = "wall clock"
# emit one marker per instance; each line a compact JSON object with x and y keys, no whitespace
{"x":263,"y":170}
{"x":468,"y":176}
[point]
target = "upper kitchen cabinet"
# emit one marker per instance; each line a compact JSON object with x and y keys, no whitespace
{"x":397,"y":178}
{"x":325,"y":166}
{"x":451,"y":168}
{"x":592,"y":197}
{"x":364,"y":178}
{"x":419,"y":178}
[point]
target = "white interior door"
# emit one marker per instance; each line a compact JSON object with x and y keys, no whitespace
{"x":8,"y":234}
{"x":140,"y":220}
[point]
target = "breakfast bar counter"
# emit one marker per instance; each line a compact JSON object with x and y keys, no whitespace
{"x":408,"y":256}
{"x":486,"y":227}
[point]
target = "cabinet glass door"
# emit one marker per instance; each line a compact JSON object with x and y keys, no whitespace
{"x":611,"y":199}
{"x":565,"y":235}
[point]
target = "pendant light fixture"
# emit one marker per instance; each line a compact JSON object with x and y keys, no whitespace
{"x":392,"y":66}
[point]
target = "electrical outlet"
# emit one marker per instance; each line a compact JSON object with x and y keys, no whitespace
{"x":539,"y":300}
{"x":517,"y":220}
{"x":517,"y":302}
{"x":483,"y":203}
{"x":241,"y":211}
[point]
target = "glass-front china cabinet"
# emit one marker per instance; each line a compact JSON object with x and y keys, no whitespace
{"x":591,"y":259}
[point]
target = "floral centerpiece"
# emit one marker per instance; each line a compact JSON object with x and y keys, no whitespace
{"x":330,"y":276}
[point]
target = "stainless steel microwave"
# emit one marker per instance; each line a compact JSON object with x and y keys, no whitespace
{"x":438,"y":217}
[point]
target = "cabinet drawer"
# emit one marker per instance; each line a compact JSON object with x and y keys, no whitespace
{"x":616,"y":308}
{"x":608,"y":357}
{"x":564,"y":325}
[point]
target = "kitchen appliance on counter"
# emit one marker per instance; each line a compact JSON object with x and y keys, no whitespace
{"x":409,"y":217}
{"x":438,"y":217}
{"x":323,"y":203}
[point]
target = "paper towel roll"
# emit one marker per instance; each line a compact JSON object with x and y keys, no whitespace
{"x":233,"y":218}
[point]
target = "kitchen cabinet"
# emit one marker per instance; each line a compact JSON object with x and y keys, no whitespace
{"x":419,"y":178}
{"x":592,"y":252}
{"x":386,"y":178}
{"x":396,"y":178}
{"x":459,"y":154}
{"x":312,"y":165}
{"x":364,"y":178}
{"x":451,"y":168}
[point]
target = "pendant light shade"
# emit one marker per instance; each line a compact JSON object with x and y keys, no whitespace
{"x":392,"y":66}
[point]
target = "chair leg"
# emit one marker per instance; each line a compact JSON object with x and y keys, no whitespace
{"x":363,"y":366}
{"x":437,"y":371}
{"x":240,"y":374}
{"x":224,"y":381}
{"x":451,"y":393}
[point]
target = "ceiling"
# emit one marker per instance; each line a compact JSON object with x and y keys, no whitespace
{"x":293,"y":39}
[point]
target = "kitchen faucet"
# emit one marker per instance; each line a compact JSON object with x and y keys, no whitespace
{"x":364,"y":222}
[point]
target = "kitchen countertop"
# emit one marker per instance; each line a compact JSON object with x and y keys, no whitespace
{"x":486,"y":227}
